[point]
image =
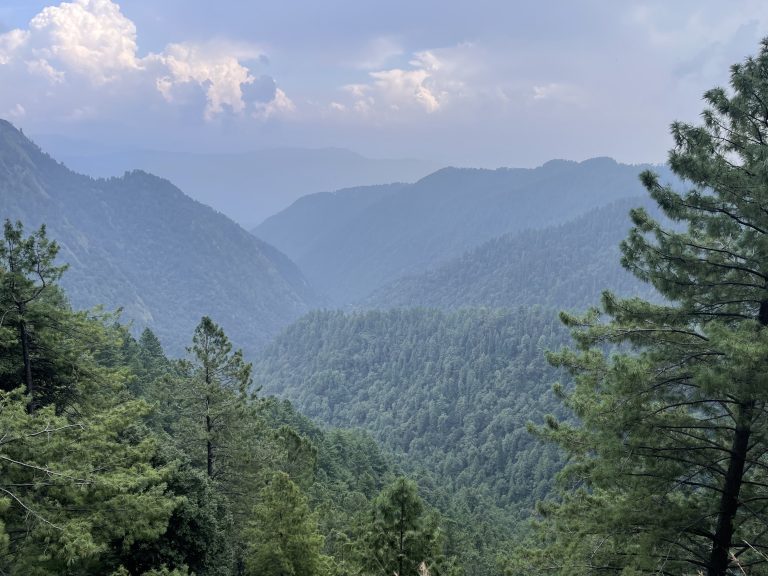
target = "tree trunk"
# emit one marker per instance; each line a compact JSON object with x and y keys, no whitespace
{"x":208,"y":443}
{"x":29,"y":382}
{"x":401,"y":555}
{"x":720,"y":557}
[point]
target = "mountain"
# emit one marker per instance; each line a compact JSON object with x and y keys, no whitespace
{"x":139,"y":243}
{"x":451,"y":392}
{"x":248,"y":187}
{"x":564,"y":266}
{"x":352,"y":242}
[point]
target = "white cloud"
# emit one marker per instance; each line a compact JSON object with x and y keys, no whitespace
{"x":44,"y":69}
{"x":427,"y":86}
{"x":10,"y":43}
{"x":221,"y":75}
{"x":88,"y":37}
{"x":280,"y":105}
{"x":17,"y":112}
{"x":89,"y":48}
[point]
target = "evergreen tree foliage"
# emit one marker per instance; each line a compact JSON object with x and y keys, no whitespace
{"x":28,"y":275}
{"x":449,"y":393}
{"x":667,"y":470}
{"x":78,"y":479}
{"x":402,"y":534}
{"x":214,"y":399}
{"x":282,"y":536}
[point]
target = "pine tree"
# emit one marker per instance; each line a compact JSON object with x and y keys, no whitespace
{"x":77,"y":476}
{"x":282,"y":537}
{"x":667,"y":470}
{"x":402,"y":534}
{"x":214,"y":401}
{"x":27,"y":277}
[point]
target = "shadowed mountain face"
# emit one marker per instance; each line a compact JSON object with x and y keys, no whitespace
{"x":352,"y":242}
{"x":139,"y":243}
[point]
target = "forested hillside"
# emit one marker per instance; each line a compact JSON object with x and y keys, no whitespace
{"x":566,"y":266}
{"x":349,"y":252}
{"x":137,"y":242}
{"x":450,"y":391}
{"x":118,"y":460}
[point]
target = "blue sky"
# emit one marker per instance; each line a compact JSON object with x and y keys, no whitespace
{"x":484,"y":83}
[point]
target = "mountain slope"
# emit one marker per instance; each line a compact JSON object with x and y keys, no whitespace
{"x":564,"y":266}
{"x":450,"y":391}
{"x":138,"y":242}
{"x":349,"y":253}
{"x":248,"y":187}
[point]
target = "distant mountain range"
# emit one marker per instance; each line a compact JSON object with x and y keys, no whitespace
{"x":139,"y":243}
{"x":248,"y":187}
{"x":353,"y":242}
{"x":457,"y":238}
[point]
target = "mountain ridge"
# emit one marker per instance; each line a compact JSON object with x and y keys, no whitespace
{"x":348,"y":254}
{"x":163,"y":257}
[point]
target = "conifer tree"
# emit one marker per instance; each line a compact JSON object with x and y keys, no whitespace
{"x":28,"y":276}
{"x":77,"y":476}
{"x":216,"y":398}
{"x":668,"y":471}
{"x":402,"y":534}
{"x":282,"y":537}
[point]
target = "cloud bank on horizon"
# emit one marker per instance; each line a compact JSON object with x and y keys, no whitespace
{"x":466,"y":83}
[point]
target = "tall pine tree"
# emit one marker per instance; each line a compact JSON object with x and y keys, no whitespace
{"x":403,"y":536}
{"x":668,"y":469}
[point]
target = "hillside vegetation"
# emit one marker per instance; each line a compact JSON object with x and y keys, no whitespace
{"x":449,"y":392}
{"x":565,"y":266}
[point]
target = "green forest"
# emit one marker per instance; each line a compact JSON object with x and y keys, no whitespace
{"x":119,"y":460}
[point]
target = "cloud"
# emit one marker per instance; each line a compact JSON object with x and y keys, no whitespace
{"x":87,"y":37}
{"x":430,"y":82}
{"x":17,"y":112}
{"x":280,"y":105}
{"x":89,"y":48}
{"x":221,"y":74}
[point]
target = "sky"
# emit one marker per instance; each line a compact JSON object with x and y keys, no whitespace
{"x":470,"y":83}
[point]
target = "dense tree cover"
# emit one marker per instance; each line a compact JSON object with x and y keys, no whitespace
{"x":144,"y":465}
{"x":451,"y":393}
{"x":138,"y":243}
{"x":349,"y":246}
{"x":566,"y":266}
{"x":668,"y":470}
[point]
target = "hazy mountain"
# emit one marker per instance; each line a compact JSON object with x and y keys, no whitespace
{"x":138,"y":242}
{"x":247,"y":187}
{"x":352,"y":242}
{"x":563,"y":266}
